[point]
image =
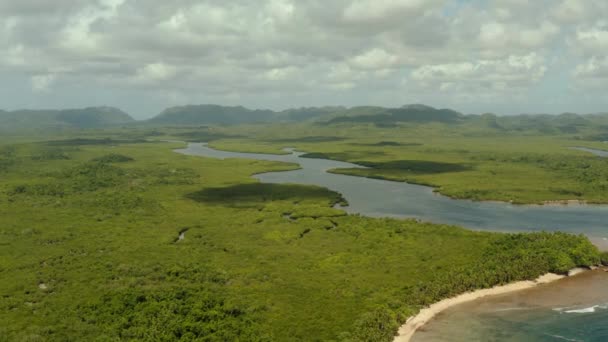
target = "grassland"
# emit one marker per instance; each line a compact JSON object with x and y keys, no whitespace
{"x":91,"y":249}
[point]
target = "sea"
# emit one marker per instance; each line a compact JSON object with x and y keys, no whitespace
{"x":571,"y":309}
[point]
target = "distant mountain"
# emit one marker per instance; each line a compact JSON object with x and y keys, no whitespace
{"x":221,"y":115}
{"x":209,"y":114}
{"x":416,"y":113}
{"x":91,"y":117}
{"x":212,"y":114}
{"x":308,"y":113}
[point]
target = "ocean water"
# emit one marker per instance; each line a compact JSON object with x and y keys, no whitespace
{"x":572,"y":309}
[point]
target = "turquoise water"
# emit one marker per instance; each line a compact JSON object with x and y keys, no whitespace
{"x":574,"y":309}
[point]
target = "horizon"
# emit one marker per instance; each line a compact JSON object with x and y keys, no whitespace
{"x":498,"y":56}
{"x":287,"y":109}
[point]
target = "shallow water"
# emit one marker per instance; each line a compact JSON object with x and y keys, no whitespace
{"x":380,"y":198}
{"x":572,"y":309}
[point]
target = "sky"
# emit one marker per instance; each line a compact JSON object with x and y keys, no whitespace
{"x":476,"y":56}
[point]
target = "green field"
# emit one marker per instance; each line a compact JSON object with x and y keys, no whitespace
{"x":91,"y":250}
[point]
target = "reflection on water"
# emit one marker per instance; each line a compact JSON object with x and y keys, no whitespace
{"x":373,"y":197}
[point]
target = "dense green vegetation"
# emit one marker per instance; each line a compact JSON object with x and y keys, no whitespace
{"x":604,"y":257}
{"x":107,"y":237}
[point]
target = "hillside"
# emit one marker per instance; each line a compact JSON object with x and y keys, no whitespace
{"x":309,"y":113}
{"x":586,"y":126}
{"x":223,"y":115}
{"x":91,"y":117}
{"x":211,"y":114}
{"x":389,"y":116}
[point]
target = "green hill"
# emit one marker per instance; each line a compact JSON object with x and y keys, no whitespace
{"x":33,"y":120}
{"x":222,"y":115}
{"x":389,"y":116}
{"x":566,"y":123}
{"x":211,"y":114}
{"x":309,"y":113}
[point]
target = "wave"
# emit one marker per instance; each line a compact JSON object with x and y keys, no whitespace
{"x":585,"y":310}
{"x":560,"y":337}
{"x":590,"y":309}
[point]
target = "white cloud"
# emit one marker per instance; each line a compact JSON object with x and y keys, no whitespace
{"x":155,"y":72}
{"x":593,"y":68}
{"x":77,"y":35}
{"x":593,"y":40}
{"x":370,"y":10}
{"x":42,"y":83}
{"x":375,"y":58}
{"x":279,"y":74}
{"x":570,"y":10}
{"x":258,"y":49}
{"x":280,"y":10}
{"x":492,"y":33}
{"x":510,"y":74}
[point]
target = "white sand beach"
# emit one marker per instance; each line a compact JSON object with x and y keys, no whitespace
{"x":407,"y":330}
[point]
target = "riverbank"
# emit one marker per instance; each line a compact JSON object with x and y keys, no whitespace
{"x":414,"y":323}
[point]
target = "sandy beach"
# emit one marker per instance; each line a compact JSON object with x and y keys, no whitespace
{"x":407,"y":330}
{"x":566,"y":202}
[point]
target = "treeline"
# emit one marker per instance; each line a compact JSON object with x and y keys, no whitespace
{"x":509,"y":258}
{"x":589,"y":172}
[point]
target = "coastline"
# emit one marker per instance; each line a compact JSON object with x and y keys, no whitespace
{"x":407,"y":330}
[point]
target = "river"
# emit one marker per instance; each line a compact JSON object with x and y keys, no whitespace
{"x":574,"y":309}
{"x":381,"y":198}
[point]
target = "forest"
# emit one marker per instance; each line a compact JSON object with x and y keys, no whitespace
{"x":110,"y":235}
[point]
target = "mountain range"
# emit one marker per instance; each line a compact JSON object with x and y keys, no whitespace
{"x":210,"y":114}
{"x":91,"y":117}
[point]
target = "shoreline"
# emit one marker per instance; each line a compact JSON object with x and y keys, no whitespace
{"x":566,"y":203}
{"x":407,"y":330}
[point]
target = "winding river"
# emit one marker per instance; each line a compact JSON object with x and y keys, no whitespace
{"x":575,"y":309}
{"x":380,"y":198}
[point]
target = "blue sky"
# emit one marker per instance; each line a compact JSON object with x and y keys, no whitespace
{"x":501,"y":56}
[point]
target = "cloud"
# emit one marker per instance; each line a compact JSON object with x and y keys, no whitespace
{"x":593,"y":40}
{"x":374,"y":59}
{"x":513,"y":73}
{"x":377,"y":10}
{"x":254,"y":51}
{"x":155,"y":72}
{"x":593,"y":68}
{"x":42,"y":83}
